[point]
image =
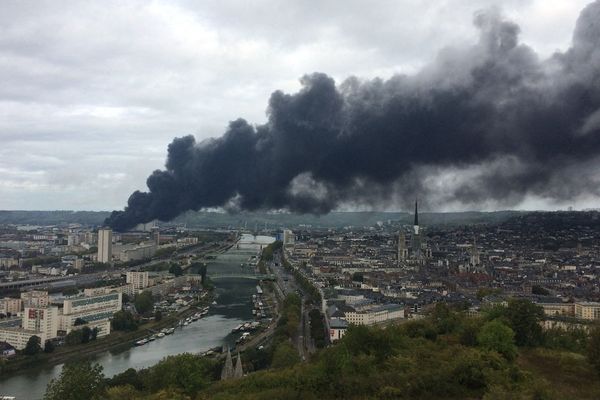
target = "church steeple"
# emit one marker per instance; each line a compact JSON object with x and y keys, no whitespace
{"x":416,"y":224}
{"x":227,"y":372}
{"x":416,"y":215}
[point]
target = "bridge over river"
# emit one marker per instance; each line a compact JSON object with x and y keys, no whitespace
{"x":241,"y":275}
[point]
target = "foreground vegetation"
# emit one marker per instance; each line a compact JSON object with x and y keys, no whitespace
{"x":503,"y":354}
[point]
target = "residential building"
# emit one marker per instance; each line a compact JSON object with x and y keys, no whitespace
{"x":375,"y":315}
{"x":95,"y":311}
{"x":337,"y":328}
{"x":40,"y":322}
{"x":138,"y":252}
{"x":43,"y":320}
{"x":288,"y":237}
{"x":139,"y":279}
{"x":587,"y":310}
{"x":558,"y":309}
{"x":10,"y":305}
{"x":105,"y":245}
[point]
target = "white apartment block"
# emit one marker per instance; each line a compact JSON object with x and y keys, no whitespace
{"x":96,"y":311}
{"x":43,"y":320}
{"x":375,"y":315}
{"x":18,"y":337}
{"x":104,"y":245}
{"x":139,"y":279}
{"x":138,"y":252}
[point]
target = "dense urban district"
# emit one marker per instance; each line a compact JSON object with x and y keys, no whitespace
{"x":498,"y":306}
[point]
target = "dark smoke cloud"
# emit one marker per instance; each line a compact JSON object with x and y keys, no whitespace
{"x":488,"y":122}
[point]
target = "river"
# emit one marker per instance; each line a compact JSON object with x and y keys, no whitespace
{"x":234,"y":306}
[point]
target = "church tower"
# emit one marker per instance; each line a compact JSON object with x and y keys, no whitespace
{"x":416,"y":237}
{"x":416,"y":223}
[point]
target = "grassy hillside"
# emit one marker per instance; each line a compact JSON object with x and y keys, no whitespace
{"x":501,"y":355}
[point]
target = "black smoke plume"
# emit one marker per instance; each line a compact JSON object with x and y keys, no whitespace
{"x":487,"y":123}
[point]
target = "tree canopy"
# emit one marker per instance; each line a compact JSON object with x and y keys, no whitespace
{"x":34,"y":346}
{"x":79,"y":380}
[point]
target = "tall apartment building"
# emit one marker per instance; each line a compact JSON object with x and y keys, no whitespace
{"x":139,"y":280}
{"x":288,"y":237}
{"x":104,"y":245}
{"x":44,"y":320}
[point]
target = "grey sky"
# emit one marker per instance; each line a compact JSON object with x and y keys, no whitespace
{"x":91,"y":93}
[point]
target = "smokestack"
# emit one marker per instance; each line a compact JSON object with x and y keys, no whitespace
{"x":487,"y":124}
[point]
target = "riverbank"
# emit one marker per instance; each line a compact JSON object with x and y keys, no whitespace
{"x":233,"y":306}
{"x":116,"y":340}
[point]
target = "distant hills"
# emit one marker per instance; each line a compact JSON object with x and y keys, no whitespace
{"x":252,"y":220}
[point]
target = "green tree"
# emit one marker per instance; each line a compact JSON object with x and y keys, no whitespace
{"x":86,"y":334}
{"x":34,"y":346}
{"x":48,"y":346}
{"x":124,"y":321}
{"x":469,"y":330}
{"x":540,"y":290}
{"x":143,"y":302}
{"x":123,"y":392}
{"x":357,"y":277}
{"x":420,"y":328}
{"x":79,"y":380}
{"x":496,"y":336}
{"x":187,"y":372}
{"x":285,"y":356}
{"x":570,"y":339}
{"x":129,"y":377}
{"x":165,"y":252}
{"x":157,"y":315}
{"x":70,"y":291}
{"x":175,"y":269}
{"x":444,"y":319}
{"x":74,"y":337}
{"x":593,"y":348}
{"x":524,"y":318}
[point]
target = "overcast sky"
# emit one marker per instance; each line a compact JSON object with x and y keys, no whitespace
{"x":91,"y":93}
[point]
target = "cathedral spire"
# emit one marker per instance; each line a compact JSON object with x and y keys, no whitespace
{"x":238,"y":372}
{"x":416,"y":224}
{"x":227,"y":371}
{"x":416,"y":215}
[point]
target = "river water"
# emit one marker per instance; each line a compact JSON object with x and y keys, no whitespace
{"x":234,"y":306}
